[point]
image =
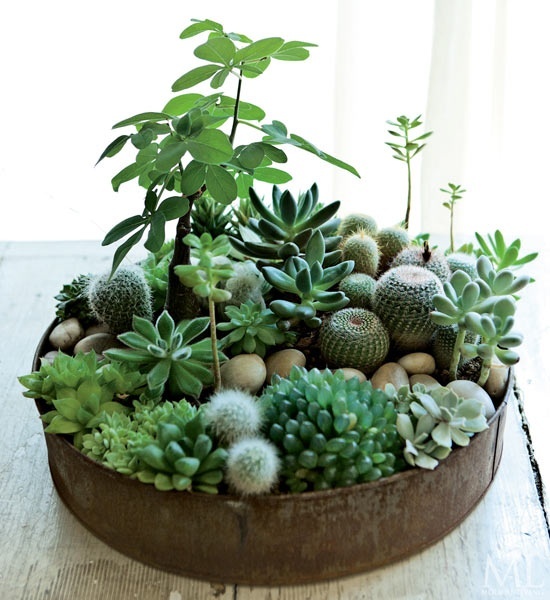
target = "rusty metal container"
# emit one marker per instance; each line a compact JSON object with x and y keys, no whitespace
{"x":277,"y":539}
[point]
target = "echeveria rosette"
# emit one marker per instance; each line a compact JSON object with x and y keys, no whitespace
{"x":434,"y":422}
{"x":168,"y":354}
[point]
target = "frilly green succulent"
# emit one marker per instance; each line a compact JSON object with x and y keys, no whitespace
{"x":434,"y":422}
{"x":252,"y":329}
{"x":331,"y":432}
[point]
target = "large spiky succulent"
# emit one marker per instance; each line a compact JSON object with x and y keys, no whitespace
{"x":284,"y":230}
{"x":211,"y":217}
{"x":331,"y":432}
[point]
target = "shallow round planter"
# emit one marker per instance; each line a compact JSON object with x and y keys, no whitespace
{"x":277,"y":539}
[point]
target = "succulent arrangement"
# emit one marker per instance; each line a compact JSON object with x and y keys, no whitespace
{"x":272,"y":345}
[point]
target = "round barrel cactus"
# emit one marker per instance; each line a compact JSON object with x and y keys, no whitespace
{"x":430,"y":259}
{"x":357,"y":222}
{"x":359,"y":288}
{"x":363,"y":250}
{"x":391,"y":240}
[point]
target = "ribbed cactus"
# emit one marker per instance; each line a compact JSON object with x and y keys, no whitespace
{"x":390,"y":240}
{"x":463,"y":262}
{"x":443,"y":342}
{"x":356,"y":222}
{"x":331,"y":432}
{"x":252,"y":466}
{"x":233,"y":415}
{"x":363,"y":250}
{"x":426,"y":257}
{"x":116,"y":300}
{"x":359,"y":288}
{"x":354,"y":337}
{"x":403,"y":301}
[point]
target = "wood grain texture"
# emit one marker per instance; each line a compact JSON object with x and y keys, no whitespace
{"x":501,"y":550}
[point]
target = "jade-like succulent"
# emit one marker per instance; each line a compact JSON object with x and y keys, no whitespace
{"x":426,"y":257}
{"x":252,"y":329}
{"x":331,"y":432}
{"x":390,"y":240}
{"x":443,"y":343}
{"x":168,"y":354}
{"x":354,"y":337}
{"x":183,"y":457}
{"x":252,"y":466}
{"x":357,"y":222}
{"x":285,"y":230}
{"x":115,"y":300}
{"x":403,"y":299}
{"x":359,"y":288}
{"x":310,"y":281}
{"x":435,"y":421}
{"x":232,"y":415}
{"x":362,"y":249}
{"x":73,"y":301}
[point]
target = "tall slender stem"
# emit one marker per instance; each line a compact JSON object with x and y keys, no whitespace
{"x":452,"y":228}
{"x":214,"y":339}
{"x":236,"y":109}
{"x":453,"y":368}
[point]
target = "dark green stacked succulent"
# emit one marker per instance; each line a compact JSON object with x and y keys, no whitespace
{"x":73,"y":301}
{"x":331,"y":432}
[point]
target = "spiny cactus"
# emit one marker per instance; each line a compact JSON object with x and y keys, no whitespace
{"x":246,"y":283}
{"x":390,"y":240}
{"x":363,"y":250}
{"x":354,"y":337}
{"x":285,"y":230}
{"x":359,"y":288}
{"x":443,"y":343}
{"x":463,"y":262}
{"x":403,"y":301}
{"x":331,"y":432}
{"x":233,"y":415}
{"x":357,"y":222}
{"x":425,"y":257}
{"x":252,"y":466}
{"x":115,"y":300}
{"x":73,"y":301}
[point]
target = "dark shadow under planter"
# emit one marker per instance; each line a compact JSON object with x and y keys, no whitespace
{"x":277,"y":539}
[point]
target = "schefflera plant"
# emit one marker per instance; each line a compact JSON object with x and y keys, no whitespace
{"x":170,"y":355}
{"x":434,"y":422}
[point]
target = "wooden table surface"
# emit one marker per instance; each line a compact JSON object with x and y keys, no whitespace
{"x":502,"y":550}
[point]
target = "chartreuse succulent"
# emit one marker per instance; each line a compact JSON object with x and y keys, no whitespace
{"x":170,"y":355}
{"x":183,"y":457}
{"x":285,"y":230}
{"x":331,"y":432}
{"x":310,"y":281}
{"x":81,"y":390}
{"x":502,"y":255}
{"x":484,"y":306}
{"x":115,"y":300}
{"x":73,"y":301}
{"x":354,"y":337}
{"x":434,"y":422}
{"x":252,"y":330}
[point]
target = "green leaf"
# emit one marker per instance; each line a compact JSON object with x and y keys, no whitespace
{"x":142,"y":117}
{"x":210,"y":146}
{"x":220,"y":184}
{"x":194,"y":77}
{"x":259,"y":49}
{"x":193,"y":177}
{"x":219,"y":78}
{"x":252,"y":155}
{"x":170,"y":155}
{"x":128,"y":173}
{"x":123,"y":228}
{"x":199,"y":26}
{"x":124,"y":248}
{"x":271,"y":175}
{"x":189,"y":330}
{"x":155,"y":239}
{"x":217,"y":50}
{"x":181,"y":104}
{"x":273,"y":153}
{"x":305,"y":145}
{"x":173,"y":207}
{"x":114,"y":147}
{"x":291,"y":54}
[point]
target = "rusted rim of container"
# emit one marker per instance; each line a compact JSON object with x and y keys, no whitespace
{"x":278,"y":539}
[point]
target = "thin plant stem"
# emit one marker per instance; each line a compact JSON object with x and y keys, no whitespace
{"x":484,"y":374}
{"x":453,"y":368}
{"x":214,"y":339}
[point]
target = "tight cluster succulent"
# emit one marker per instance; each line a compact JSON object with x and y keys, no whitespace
{"x":434,"y":422}
{"x":183,"y":457}
{"x":173,"y":361}
{"x":252,"y":329}
{"x":308,"y":279}
{"x":331,"y":432}
{"x":285,"y":230}
{"x":81,"y":390}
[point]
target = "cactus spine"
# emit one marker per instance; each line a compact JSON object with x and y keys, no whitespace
{"x":363,"y":250}
{"x":357,"y":222}
{"x":359,"y":288}
{"x":463,"y":262}
{"x":443,"y":343}
{"x":425,"y":257}
{"x":403,"y":301}
{"x":391,"y":240}
{"x":116,"y":300}
{"x":354,"y":337}
{"x":252,"y":466}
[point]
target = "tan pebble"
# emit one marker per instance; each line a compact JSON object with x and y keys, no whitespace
{"x":426,"y":380}
{"x":50,"y":356}
{"x":97,"y":328}
{"x":496,"y":383}
{"x":281,"y":362}
{"x":391,"y":372}
{"x":464,"y":388}
{"x":244,"y":371}
{"x":99,"y":342}
{"x":417,"y":363}
{"x":350,"y":372}
{"x":65,"y":335}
